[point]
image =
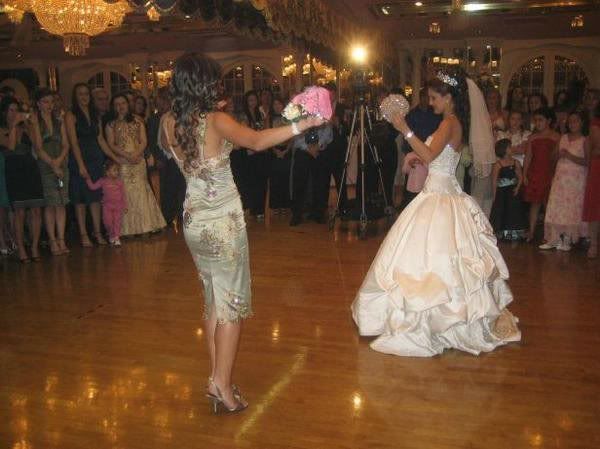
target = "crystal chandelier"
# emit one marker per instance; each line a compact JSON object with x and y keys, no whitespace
{"x":77,"y":20}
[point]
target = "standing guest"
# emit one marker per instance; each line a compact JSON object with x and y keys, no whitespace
{"x":154,"y":154}
{"x":562,"y":100}
{"x":307,"y":166}
{"x":416,"y":174}
{"x":279,"y":189}
{"x":126,"y":136}
{"x":422,"y":120}
{"x":534,"y":102}
{"x":4,"y":205}
{"x":114,"y":201}
{"x":384,"y":136}
{"x":19,"y":135}
{"x":259,"y":163}
{"x":591,"y":100}
{"x":516,"y":100}
{"x":240,"y":162}
{"x":58,"y":107}
{"x":560,"y":124}
{"x":214,"y":226}
{"x":101,"y":101}
{"x":54,"y":170}
{"x":493,"y":102}
{"x":331,"y":159}
{"x":88,"y":149}
{"x":539,"y":165}
{"x":508,"y":214}
{"x":140,"y":107}
{"x":172,"y":182}
{"x":563,"y":224}
{"x":591,"y":204}
{"x":517,"y":135}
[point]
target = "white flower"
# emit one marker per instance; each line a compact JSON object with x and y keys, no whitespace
{"x":292,"y":112}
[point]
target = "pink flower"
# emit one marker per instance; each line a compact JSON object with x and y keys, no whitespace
{"x":315,"y":100}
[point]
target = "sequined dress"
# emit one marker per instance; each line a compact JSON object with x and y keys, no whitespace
{"x":215,"y":232}
{"x":142,"y":214}
{"x":438,"y":280}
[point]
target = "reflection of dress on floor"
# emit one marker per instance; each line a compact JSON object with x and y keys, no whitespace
{"x":438,"y":280}
{"x":143,"y":214}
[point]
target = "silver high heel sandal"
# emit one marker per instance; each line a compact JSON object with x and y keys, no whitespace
{"x":218,"y":405}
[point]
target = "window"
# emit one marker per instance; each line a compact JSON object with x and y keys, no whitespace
{"x":233,"y":81}
{"x":530,"y":77}
{"x":567,"y":72}
{"x":262,"y":79}
{"x":112,"y":81}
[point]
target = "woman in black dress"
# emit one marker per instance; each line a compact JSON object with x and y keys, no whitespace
{"x":89,"y":150}
{"x":19,"y":133}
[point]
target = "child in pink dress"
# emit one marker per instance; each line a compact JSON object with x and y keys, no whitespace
{"x":113,"y":200}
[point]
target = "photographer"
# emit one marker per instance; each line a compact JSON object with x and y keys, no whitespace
{"x":19,"y":135}
{"x":309,"y":162}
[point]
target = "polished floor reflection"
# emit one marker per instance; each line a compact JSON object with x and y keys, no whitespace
{"x":104,"y":349}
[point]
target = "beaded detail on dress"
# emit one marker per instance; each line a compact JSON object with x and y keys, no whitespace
{"x":215,"y":232}
{"x":446,"y":162}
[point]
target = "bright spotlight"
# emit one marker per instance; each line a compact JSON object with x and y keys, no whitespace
{"x":358,"y":54}
{"x":474,"y":7}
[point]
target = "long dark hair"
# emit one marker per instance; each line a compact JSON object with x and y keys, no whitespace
{"x":41,"y":93}
{"x":460,"y":97}
{"x":194,"y":93}
{"x":75,"y":105}
{"x":246,"y":109}
{"x":113,"y":115}
{"x":4,"y":105}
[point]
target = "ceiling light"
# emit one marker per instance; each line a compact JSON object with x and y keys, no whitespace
{"x":474,"y":7}
{"x":385,"y":10}
{"x":419,"y":4}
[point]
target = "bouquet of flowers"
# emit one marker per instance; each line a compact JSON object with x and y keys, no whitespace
{"x":314,"y":101}
{"x":393,"y":104}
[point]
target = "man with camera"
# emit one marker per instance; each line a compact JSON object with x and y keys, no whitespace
{"x":308,"y":165}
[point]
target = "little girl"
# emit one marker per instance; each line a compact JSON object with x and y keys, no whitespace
{"x":517,"y":135}
{"x":508,"y":215}
{"x":113,"y":200}
{"x":538,"y":168}
{"x":563,"y":223}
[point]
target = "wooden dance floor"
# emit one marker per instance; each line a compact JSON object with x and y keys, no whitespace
{"x":104,"y":349}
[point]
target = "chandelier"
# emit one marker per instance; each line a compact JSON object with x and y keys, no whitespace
{"x":75,"y":20}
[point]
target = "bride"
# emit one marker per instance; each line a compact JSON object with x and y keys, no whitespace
{"x":439,"y":280}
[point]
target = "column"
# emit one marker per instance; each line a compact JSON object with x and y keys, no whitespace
{"x":549,"y":77}
{"x":416,"y":56}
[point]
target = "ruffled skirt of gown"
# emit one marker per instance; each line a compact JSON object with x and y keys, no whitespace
{"x":438,"y":280}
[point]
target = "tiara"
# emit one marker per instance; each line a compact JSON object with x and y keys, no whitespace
{"x":447,"y":79}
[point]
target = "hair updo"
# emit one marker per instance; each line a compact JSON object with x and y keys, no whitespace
{"x":194,"y":92}
{"x":459,"y":94}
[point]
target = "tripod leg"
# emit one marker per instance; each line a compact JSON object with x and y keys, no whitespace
{"x":389,"y":209}
{"x":362,"y":233}
{"x":336,"y":211}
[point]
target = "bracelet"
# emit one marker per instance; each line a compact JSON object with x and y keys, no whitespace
{"x":408,"y":135}
{"x":295,"y":129}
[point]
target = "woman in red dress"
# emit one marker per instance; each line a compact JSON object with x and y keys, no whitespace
{"x":591,"y":204}
{"x":538,"y":167}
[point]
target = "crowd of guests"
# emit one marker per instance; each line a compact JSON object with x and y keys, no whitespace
{"x":101,"y":162}
{"x":94,"y":156}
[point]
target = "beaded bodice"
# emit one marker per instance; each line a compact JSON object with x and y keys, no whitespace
{"x":446,"y":162}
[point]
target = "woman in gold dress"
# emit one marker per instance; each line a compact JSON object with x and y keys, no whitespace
{"x":126,"y":136}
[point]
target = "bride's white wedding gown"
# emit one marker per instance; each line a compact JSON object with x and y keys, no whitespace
{"x":438,"y":280}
